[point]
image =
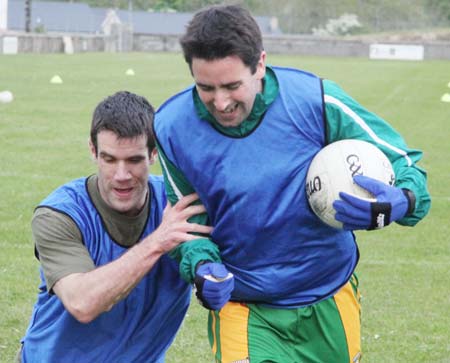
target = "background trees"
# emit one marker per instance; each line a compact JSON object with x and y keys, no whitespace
{"x":302,"y":16}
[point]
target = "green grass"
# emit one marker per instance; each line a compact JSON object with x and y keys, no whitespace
{"x":403,"y":271}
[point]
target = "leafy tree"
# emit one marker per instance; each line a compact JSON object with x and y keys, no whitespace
{"x":441,"y":8}
{"x":302,"y":16}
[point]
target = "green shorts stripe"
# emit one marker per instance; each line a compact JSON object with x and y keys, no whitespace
{"x":328,"y":331}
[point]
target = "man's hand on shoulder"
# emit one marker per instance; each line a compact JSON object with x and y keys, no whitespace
{"x":175,"y":228}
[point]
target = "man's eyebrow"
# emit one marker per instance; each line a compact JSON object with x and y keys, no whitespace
{"x":221,"y":85}
{"x":137,"y":156}
{"x":104,"y":153}
{"x":202,"y":84}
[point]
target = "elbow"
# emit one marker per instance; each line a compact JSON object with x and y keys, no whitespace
{"x":83,"y":311}
{"x":84,"y":318}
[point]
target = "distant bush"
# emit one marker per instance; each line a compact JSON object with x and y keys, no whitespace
{"x":346,"y":24}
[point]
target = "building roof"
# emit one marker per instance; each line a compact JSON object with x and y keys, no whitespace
{"x":53,"y":16}
{"x":72,"y":17}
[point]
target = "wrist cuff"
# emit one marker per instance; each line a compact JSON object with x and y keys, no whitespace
{"x":381,"y":215}
{"x":411,"y":201}
{"x":201,"y":262}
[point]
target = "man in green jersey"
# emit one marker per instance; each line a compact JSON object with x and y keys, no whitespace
{"x":279,"y":283}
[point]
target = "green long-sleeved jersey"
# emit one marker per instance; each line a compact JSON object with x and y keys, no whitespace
{"x":344,"y":118}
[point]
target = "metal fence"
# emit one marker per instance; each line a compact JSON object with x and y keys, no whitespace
{"x":122,"y":40}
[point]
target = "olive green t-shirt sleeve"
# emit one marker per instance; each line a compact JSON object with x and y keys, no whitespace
{"x":59,"y":245}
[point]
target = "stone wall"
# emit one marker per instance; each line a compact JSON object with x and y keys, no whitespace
{"x":125,"y":41}
{"x":50,"y":43}
{"x":338,"y":47}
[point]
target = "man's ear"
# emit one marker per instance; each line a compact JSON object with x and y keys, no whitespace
{"x":261,"y":66}
{"x":92,"y":150}
{"x":153,"y":156}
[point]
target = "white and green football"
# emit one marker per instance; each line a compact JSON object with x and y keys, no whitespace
{"x":332,"y":171}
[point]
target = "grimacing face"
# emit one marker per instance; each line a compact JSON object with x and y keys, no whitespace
{"x":123,"y":168}
{"x":227,"y":87}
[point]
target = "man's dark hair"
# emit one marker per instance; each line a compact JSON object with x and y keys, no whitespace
{"x":221,"y":31}
{"x":127,"y":115}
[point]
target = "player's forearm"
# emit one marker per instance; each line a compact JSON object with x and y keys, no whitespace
{"x":87,"y":295}
{"x":201,"y":249}
{"x":177,"y":186}
{"x":175,"y":182}
{"x":189,"y":254}
{"x":346,"y":119}
{"x":415,"y":180}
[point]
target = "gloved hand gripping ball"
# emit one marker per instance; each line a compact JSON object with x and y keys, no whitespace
{"x":390,"y":204}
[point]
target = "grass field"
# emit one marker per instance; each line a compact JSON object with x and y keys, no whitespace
{"x":404,"y":272}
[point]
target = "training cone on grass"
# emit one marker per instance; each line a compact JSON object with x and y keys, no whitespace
{"x":129,"y":72}
{"x":445,"y":97}
{"x":56,"y":79}
{"x":6,"y":97}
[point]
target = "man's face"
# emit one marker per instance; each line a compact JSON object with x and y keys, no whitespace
{"x":227,"y":87}
{"x":123,"y":168}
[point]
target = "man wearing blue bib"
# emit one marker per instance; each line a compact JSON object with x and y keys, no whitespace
{"x":280,"y":284}
{"x":108,"y":292}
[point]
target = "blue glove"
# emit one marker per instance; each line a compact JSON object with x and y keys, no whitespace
{"x":214,"y":285}
{"x":391,"y":204}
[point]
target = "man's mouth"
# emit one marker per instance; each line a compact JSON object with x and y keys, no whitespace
{"x":123,"y":192}
{"x":230,"y":109}
{"x":229,"y":114}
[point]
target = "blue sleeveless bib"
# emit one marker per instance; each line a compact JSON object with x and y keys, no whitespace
{"x":253,"y":188}
{"x":139,"y":328}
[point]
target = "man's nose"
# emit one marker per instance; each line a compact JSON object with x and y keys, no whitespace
{"x":221,"y":100}
{"x":122,"y":172}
